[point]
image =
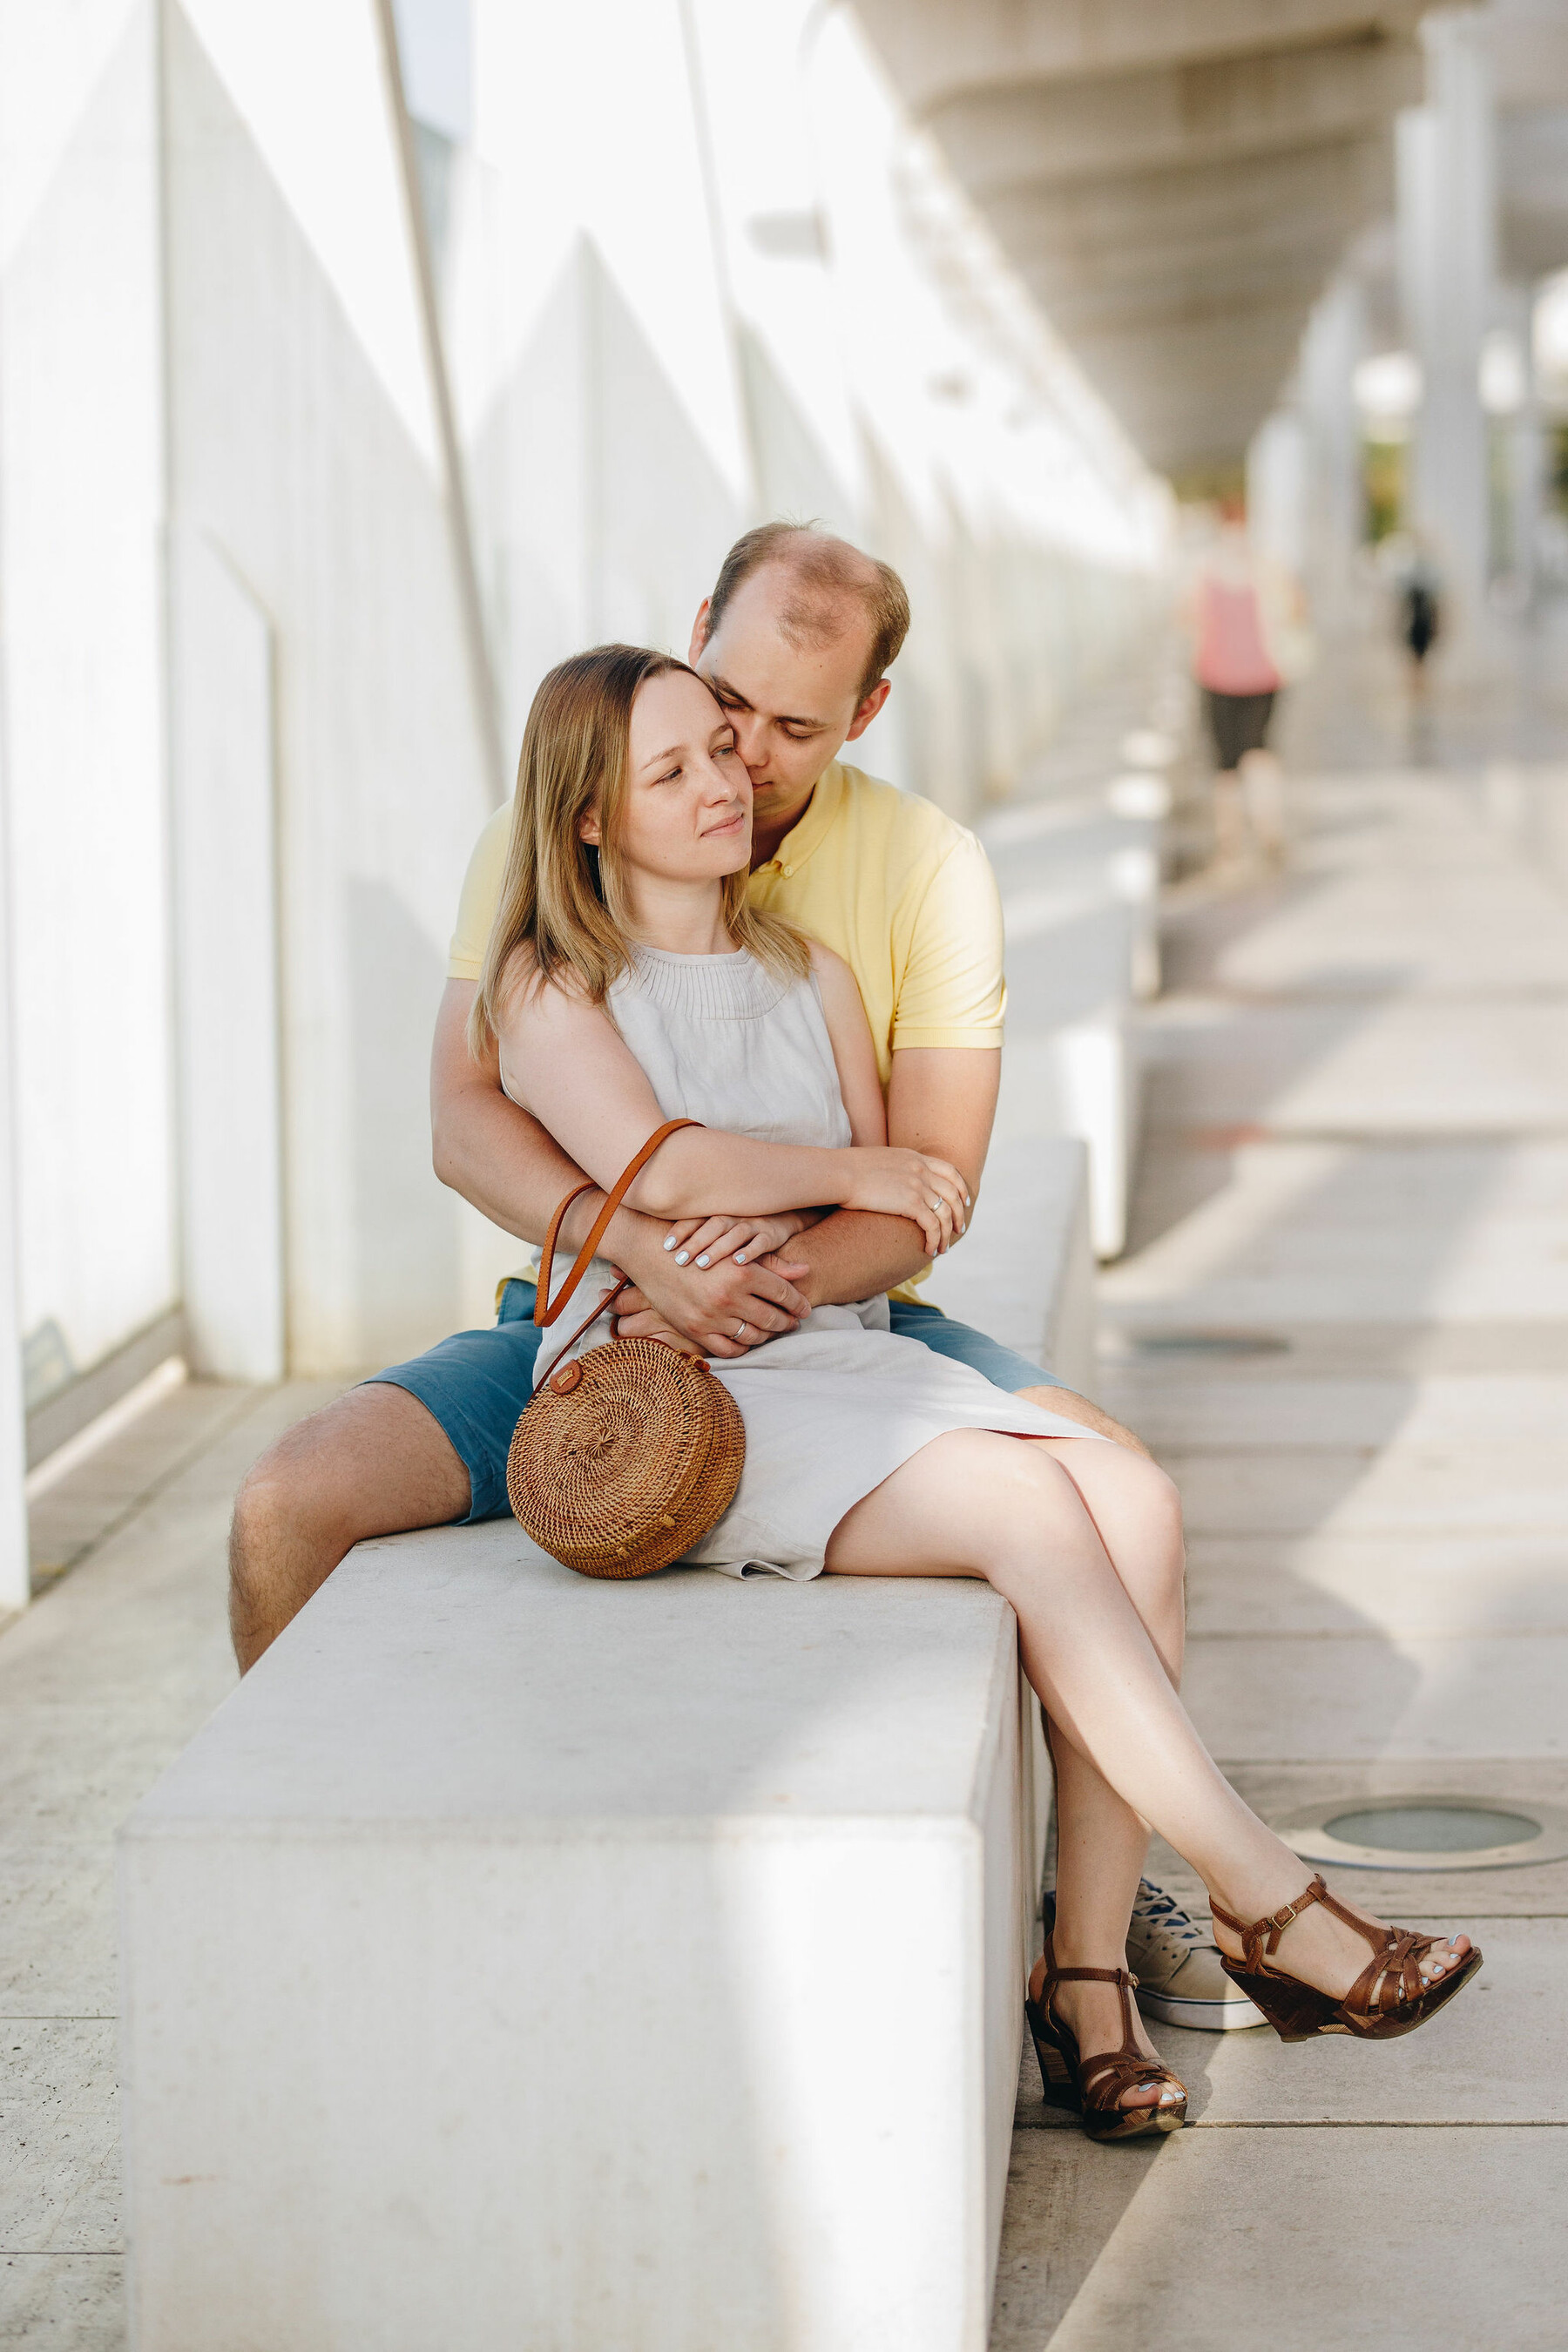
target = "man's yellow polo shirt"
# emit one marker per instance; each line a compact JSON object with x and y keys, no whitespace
{"x":904,"y":895}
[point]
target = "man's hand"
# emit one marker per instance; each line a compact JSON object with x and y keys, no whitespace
{"x":941,"y":1103}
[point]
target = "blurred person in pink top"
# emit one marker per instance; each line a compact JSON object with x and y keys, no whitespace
{"x":1248,"y":643}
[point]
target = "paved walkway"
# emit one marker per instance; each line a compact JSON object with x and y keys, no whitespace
{"x":1357,"y":1161}
{"x":1358,"y":1147}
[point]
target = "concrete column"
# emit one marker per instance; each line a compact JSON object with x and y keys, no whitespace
{"x":1447,"y":203}
{"x":1524,"y":454}
{"x":1333,"y":343}
{"x":1279,"y":490}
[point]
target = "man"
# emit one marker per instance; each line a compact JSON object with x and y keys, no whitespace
{"x":795,"y":642}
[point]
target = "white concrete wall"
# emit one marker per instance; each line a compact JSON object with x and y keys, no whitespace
{"x":306,"y":455}
{"x":710,"y":286}
{"x":594,"y":369}
{"x":273,"y":619}
{"x":228,"y":1024}
{"x":81,"y":505}
{"x":15,"y":1580}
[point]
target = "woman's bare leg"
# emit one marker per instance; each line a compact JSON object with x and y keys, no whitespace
{"x":1101,"y":1843}
{"x":975,"y":1503}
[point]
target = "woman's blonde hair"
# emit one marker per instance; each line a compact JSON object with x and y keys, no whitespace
{"x":562,"y":900}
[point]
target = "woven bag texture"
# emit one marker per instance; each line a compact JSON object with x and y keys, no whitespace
{"x":624,"y":1457}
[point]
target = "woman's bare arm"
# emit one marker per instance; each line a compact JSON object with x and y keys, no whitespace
{"x":855,"y":1056}
{"x":562,"y":1058}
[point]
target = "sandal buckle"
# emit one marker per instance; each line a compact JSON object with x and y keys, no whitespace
{"x":1282,"y":1919}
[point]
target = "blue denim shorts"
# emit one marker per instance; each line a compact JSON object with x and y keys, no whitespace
{"x":475,"y":1383}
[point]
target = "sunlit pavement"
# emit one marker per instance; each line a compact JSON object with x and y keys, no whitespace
{"x":101,"y":1683}
{"x":1356,"y":1178}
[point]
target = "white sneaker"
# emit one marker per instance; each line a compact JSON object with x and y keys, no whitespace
{"x":1180,"y":1978}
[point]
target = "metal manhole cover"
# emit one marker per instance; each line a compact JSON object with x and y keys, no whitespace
{"x":1204,"y":1343}
{"x":1430,"y":1832}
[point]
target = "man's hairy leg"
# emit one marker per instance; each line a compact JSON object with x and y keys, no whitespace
{"x":1073,"y":1407}
{"x":374,"y":1462}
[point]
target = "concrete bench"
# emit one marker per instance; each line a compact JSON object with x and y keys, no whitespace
{"x":1024,"y":1272}
{"x":520,"y":1961}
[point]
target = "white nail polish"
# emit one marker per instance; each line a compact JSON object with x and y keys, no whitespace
{"x":670,"y":1241}
{"x":703,"y":1259}
{"x":682,"y":1256}
{"x":740,"y":1257}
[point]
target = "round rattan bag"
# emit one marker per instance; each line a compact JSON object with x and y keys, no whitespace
{"x":625,"y":1458}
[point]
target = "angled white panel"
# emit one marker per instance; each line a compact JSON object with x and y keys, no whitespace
{"x":588,"y":119}
{"x":308,"y":80}
{"x":594,"y":374}
{"x":81,"y":588}
{"x":300,"y":405}
{"x":225,"y":929}
{"x":14,"y":1579}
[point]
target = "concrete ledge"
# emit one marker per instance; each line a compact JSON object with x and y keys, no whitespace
{"x":1080,"y":902}
{"x":68,"y":1410}
{"x":519,"y":1960}
{"x":1025,"y":1270}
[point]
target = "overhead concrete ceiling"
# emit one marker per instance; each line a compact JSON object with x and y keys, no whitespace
{"x":1175,"y":180}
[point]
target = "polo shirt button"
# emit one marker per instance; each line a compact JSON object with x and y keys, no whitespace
{"x":789,"y":869}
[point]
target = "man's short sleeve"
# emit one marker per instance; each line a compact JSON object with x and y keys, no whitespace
{"x":953,"y":992}
{"x":481,"y":895}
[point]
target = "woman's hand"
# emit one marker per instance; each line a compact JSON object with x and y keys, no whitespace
{"x":707,"y":1241}
{"x":899,"y":1183}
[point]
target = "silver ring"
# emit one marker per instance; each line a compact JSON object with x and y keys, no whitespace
{"x":741,"y":1328}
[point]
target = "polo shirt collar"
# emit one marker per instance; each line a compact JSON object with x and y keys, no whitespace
{"x":807,"y":837}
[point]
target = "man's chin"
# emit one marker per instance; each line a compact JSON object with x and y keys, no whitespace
{"x":770,"y":801}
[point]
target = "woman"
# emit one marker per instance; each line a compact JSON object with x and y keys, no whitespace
{"x":1239,"y":647}
{"x":628,"y":981}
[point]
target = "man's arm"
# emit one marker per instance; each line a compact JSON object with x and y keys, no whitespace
{"x":941,"y":1100}
{"x":484,"y":1145}
{"x":488,"y":1148}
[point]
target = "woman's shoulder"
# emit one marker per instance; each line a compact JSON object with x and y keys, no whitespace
{"x":557,"y":999}
{"x":834,"y":980}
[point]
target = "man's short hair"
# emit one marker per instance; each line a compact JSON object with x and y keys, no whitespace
{"x":825,"y":573}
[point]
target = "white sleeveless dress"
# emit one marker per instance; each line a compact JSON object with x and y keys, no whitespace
{"x":834,"y":1408}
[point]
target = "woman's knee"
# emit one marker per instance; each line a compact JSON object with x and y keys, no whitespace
{"x":1158,"y":1496}
{"x":1114,"y":1478}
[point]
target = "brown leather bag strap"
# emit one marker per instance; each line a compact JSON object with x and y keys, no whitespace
{"x":606,"y":1298}
{"x":545,"y":1309}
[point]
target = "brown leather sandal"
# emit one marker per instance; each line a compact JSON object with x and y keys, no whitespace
{"x":1091,"y":2088}
{"x":1389,"y":1997}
